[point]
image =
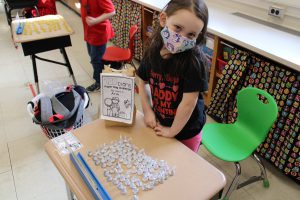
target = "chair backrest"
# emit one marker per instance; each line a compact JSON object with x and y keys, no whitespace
{"x":257,"y":110}
{"x":132,"y":31}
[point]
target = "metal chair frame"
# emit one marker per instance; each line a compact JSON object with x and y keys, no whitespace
{"x":235,"y":185}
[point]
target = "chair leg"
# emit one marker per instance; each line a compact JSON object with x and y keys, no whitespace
{"x":262,"y":170}
{"x":7,"y":13}
{"x":234,"y":182}
{"x":9,"y":16}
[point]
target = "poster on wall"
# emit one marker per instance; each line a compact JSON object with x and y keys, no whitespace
{"x":117,"y":97}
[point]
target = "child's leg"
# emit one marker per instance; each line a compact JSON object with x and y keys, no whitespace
{"x":96,"y":53}
{"x":88,"y":48}
{"x":193,"y":143}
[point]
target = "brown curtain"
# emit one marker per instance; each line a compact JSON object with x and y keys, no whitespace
{"x":128,"y":13}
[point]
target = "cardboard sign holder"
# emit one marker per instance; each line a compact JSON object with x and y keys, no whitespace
{"x":130,"y":72}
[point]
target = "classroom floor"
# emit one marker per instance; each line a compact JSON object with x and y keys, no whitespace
{"x":26,"y":172}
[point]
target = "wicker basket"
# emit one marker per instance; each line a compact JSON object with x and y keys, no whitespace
{"x":53,"y":131}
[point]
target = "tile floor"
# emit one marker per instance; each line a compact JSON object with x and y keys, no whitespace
{"x":26,"y":173}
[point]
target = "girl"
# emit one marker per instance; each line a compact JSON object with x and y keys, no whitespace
{"x":175,"y":68}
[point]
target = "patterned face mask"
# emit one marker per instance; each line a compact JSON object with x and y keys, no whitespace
{"x":175,"y":42}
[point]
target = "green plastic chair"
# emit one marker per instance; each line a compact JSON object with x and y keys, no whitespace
{"x":236,"y":142}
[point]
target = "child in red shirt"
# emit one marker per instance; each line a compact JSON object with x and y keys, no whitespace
{"x":98,"y":31}
{"x":45,"y":7}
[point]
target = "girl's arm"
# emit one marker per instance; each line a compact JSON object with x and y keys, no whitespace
{"x":183,"y":114}
{"x":91,"y":21}
{"x":149,"y":116}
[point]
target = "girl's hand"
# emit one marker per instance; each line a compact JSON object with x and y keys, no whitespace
{"x":163,"y":130}
{"x":91,"y":21}
{"x":149,"y":119}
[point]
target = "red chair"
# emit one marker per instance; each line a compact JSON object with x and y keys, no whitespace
{"x":117,"y":54}
{"x":45,"y":7}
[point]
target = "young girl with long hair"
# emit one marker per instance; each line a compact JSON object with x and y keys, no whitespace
{"x":175,"y":68}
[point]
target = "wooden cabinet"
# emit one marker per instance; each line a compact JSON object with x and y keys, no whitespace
{"x":147,"y":24}
{"x":221,"y":54}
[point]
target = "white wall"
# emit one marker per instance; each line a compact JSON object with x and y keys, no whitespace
{"x":259,"y":9}
{"x":292,"y":3}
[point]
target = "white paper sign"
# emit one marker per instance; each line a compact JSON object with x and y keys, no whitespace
{"x":117,"y":97}
{"x":63,"y":140}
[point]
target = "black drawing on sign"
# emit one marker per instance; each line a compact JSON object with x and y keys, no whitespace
{"x":108,"y":103}
{"x":113,"y":107}
{"x":127,"y":103}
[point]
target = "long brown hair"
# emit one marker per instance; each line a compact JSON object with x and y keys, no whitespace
{"x":175,"y":64}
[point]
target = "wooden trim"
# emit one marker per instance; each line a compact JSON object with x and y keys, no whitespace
{"x":212,"y":75}
{"x":148,"y":10}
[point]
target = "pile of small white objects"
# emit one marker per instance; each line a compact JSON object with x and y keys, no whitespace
{"x":129,"y":168}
